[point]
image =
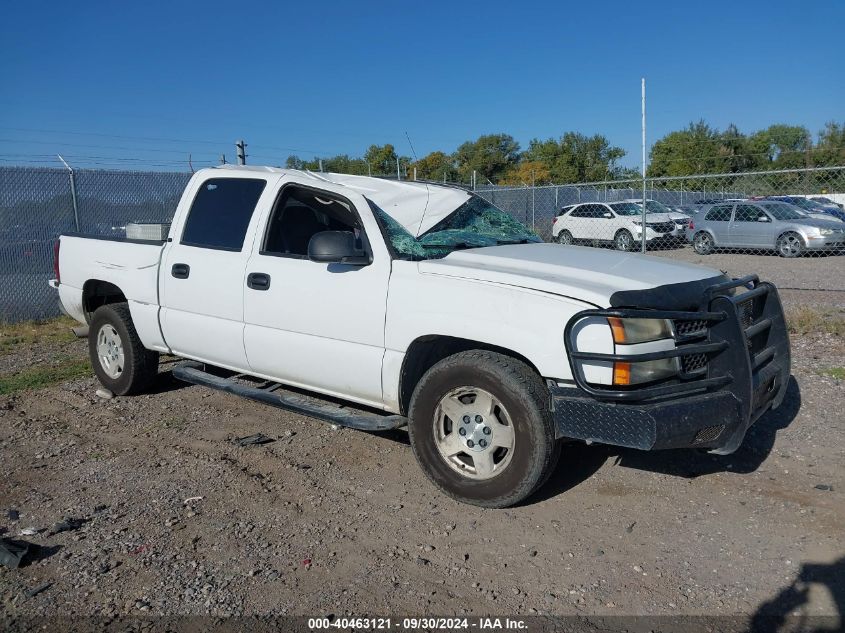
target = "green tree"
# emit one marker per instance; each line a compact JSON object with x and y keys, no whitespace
{"x":830,"y":149}
{"x":782,"y":146}
{"x":694,"y":150}
{"x":381,"y":159}
{"x":435,"y":166}
{"x":576,"y":157}
{"x":491,"y":156}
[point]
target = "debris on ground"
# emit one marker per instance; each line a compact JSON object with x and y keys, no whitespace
{"x":12,"y":552}
{"x":190,"y":499}
{"x":825,"y":487}
{"x":31,"y":593}
{"x":104,"y":393}
{"x":70,"y":524}
{"x":13,"y":514}
{"x":252,"y":440}
{"x":29,"y":531}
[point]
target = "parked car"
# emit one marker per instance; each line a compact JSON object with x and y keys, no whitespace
{"x":827,"y":202}
{"x":815,"y":209}
{"x":616,"y":223}
{"x":426,"y":306}
{"x":680,"y":218}
{"x":763,"y":224}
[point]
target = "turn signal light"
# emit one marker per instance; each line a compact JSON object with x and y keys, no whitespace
{"x":621,"y":373}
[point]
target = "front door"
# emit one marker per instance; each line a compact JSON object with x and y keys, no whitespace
{"x":315,"y":325}
{"x":202,"y":269}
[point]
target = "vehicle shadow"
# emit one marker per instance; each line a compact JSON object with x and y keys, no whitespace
{"x":165,"y":382}
{"x":751,"y":454}
{"x":787,"y":612}
{"x":578,"y":462}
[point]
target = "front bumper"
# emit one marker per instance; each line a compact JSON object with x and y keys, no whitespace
{"x":826,"y":242}
{"x":736,"y":359}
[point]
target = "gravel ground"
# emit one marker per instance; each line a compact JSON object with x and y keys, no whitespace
{"x":174,"y":518}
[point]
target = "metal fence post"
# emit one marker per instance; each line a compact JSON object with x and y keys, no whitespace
{"x":72,"y":192}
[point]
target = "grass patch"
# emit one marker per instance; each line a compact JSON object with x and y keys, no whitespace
{"x":834,"y":372}
{"x":16,"y":335}
{"x":41,"y":376}
{"x":805,"y":320}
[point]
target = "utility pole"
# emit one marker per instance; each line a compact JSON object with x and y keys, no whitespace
{"x":222,"y":159}
{"x":241,"y":151}
{"x":73,"y":199}
{"x":398,"y":175}
{"x":643,"y":226}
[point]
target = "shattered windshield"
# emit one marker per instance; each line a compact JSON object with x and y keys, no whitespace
{"x":474,"y":224}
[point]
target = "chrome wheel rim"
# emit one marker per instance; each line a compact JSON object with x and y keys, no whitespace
{"x":564,"y":238}
{"x":702,"y":243}
{"x":474,"y":433}
{"x":790,"y":245}
{"x":110,"y":351}
{"x":624,"y":241}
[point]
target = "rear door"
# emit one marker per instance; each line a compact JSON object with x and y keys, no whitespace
{"x":317,"y":325}
{"x":583,"y":222}
{"x":202,"y":271}
{"x":718,"y":221}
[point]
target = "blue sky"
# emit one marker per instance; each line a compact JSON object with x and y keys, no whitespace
{"x":142,"y":84}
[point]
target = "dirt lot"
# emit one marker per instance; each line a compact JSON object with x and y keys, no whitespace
{"x":176,"y":519}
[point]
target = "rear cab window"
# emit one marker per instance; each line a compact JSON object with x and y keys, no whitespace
{"x":221,"y":212}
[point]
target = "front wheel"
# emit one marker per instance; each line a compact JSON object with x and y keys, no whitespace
{"x":790,"y":245}
{"x":122,"y":363}
{"x":481,"y":429}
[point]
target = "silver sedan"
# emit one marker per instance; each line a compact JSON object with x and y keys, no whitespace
{"x":764,"y":225}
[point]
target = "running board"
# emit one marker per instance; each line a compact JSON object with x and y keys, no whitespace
{"x":298,"y":404}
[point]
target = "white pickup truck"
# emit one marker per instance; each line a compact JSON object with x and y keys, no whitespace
{"x":424,"y":305}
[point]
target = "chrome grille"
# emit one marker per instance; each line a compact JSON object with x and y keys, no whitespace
{"x":662,"y":227}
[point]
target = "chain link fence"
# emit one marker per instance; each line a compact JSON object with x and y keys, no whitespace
{"x":782,"y":215}
{"x":39,"y":204}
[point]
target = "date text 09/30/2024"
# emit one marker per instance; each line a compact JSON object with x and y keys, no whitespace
{"x":415,"y":624}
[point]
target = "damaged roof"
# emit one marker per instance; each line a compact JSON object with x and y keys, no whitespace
{"x":417,"y":206}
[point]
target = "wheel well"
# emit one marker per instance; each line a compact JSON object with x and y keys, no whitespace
{"x":96,"y":293}
{"x":427,"y":351}
{"x":623,"y":229}
{"x":791,"y":232}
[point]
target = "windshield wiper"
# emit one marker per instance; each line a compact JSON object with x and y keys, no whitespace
{"x":456,"y":245}
{"x":524,"y":240}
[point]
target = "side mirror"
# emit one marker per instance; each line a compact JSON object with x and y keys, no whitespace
{"x":607,"y":214}
{"x":763,"y":218}
{"x":337,"y":247}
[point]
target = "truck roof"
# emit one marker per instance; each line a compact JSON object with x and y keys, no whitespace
{"x":417,"y":206}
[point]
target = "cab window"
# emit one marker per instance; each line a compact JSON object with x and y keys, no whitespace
{"x":221,"y":211}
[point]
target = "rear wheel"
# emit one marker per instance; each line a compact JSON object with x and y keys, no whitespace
{"x":481,"y":428}
{"x":122,"y":363}
{"x":564,"y":237}
{"x":790,"y":245}
{"x":623,"y":241}
{"x":702,"y":243}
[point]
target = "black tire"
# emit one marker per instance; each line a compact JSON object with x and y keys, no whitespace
{"x":564,"y":237}
{"x":623,"y":241}
{"x":790,"y":245}
{"x":525,"y":397}
{"x":139,"y":366}
{"x":702,"y":243}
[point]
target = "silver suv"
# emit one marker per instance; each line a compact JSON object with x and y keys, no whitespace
{"x":765,"y":225}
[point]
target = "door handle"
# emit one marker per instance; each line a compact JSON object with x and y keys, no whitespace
{"x":258,"y":281}
{"x":180,"y":271}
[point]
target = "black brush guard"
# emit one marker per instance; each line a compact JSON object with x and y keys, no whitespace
{"x":735,"y":356}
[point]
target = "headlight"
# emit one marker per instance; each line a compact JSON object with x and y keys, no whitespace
{"x":632,"y":332}
{"x":826,"y":231}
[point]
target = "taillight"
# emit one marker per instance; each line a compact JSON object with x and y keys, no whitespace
{"x":56,"y":260}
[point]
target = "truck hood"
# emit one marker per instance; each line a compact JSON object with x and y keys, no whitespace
{"x":588,"y":274}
